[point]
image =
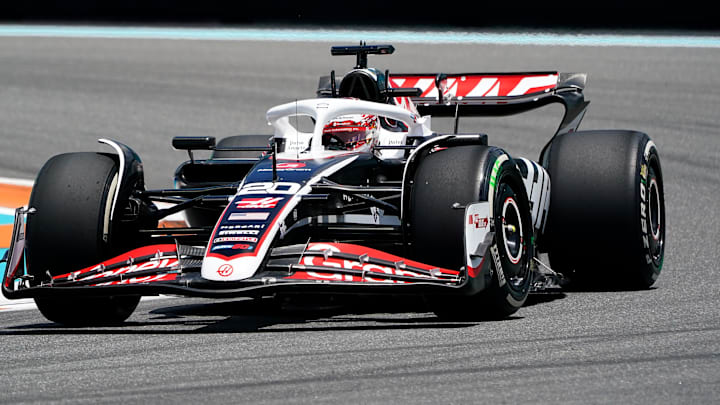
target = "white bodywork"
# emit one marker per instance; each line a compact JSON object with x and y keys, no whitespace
{"x":299,"y":146}
{"x":477,"y":220}
{"x":537,"y":185}
{"x":324,"y":110}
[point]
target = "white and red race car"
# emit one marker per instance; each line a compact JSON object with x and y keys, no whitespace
{"x":363,"y":198}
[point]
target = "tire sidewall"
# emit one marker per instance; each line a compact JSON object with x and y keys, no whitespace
{"x":511,"y":278}
{"x":651,"y":212}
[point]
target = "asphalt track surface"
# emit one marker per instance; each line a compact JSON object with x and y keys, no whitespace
{"x":656,"y":346}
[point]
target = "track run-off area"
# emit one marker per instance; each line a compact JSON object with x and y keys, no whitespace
{"x":60,"y":92}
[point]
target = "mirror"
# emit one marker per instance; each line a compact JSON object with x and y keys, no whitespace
{"x":193,"y":142}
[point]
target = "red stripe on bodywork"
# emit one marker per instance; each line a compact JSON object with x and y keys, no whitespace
{"x":139,"y":280}
{"x":508,"y":84}
{"x":464,"y":87}
{"x":370,"y":268}
{"x":474,"y":271}
{"x":378,"y":254}
{"x":539,"y":89}
{"x":143,"y":251}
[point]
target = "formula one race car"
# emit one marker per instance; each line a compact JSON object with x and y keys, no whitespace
{"x":353,"y":193}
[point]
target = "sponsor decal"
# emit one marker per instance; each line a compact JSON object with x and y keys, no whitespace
{"x":140,"y":280}
{"x":354,"y":265}
{"x":479,"y":222}
{"x":235,"y":239}
{"x":152,"y":264}
{"x":241,"y":246}
{"x":239,"y":232}
{"x":248,"y":216}
{"x":279,"y":187}
{"x":643,"y":211}
{"x":369,"y":269}
{"x":165,"y":249}
{"x":243,"y":226}
{"x":294,"y":146}
{"x":343,"y":129}
{"x":225,"y":270}
{"x":394,"y":142}
{"x":255,"y":203}
{"x":218,"y":247}
{"x":289,"y":167}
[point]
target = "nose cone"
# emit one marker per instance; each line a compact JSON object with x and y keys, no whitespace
{"x":217,"y":269}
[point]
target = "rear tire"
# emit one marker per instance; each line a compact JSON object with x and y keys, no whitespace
{"x":70,"y":230}
{"x":606,"y":223}
{"x":463,"y":175}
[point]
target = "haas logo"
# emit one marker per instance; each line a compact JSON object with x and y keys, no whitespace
{"x":225,"y":270}
{"x":479,"y":222}
{"x":264,"y":202}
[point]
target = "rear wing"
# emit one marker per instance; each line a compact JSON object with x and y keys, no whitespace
{"x":494,"y":94}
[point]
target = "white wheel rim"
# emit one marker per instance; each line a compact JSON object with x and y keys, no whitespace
{"x":511,"y":204}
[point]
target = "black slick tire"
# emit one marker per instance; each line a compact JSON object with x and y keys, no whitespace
{"x":455,"y":177}
{"x":70,"y":230}
{"x":606,"y":223}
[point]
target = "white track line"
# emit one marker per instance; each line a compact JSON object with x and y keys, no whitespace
{"x":418,"y":35}
{"x":16,"y":182}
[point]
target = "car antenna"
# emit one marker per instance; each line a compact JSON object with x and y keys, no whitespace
{"x":333,"y":87}
{"x":361,"y":60}
{"x":457,"y":117}
{"x":387,"y":82}
{"x":274,"y":160}
{"x":297,"y":135}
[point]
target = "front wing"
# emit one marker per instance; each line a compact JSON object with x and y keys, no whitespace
{"x":311,"y":268}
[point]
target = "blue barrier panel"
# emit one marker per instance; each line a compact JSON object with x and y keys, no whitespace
{"x":2,"y":265}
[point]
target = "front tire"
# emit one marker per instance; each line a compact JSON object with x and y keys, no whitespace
{"x":70,"y":230}
{"x":459,"y":176}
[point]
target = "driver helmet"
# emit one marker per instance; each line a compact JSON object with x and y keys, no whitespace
{"x":357,"y":132}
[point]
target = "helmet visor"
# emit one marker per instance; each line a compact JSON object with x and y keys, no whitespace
{"x":348,"y":134}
